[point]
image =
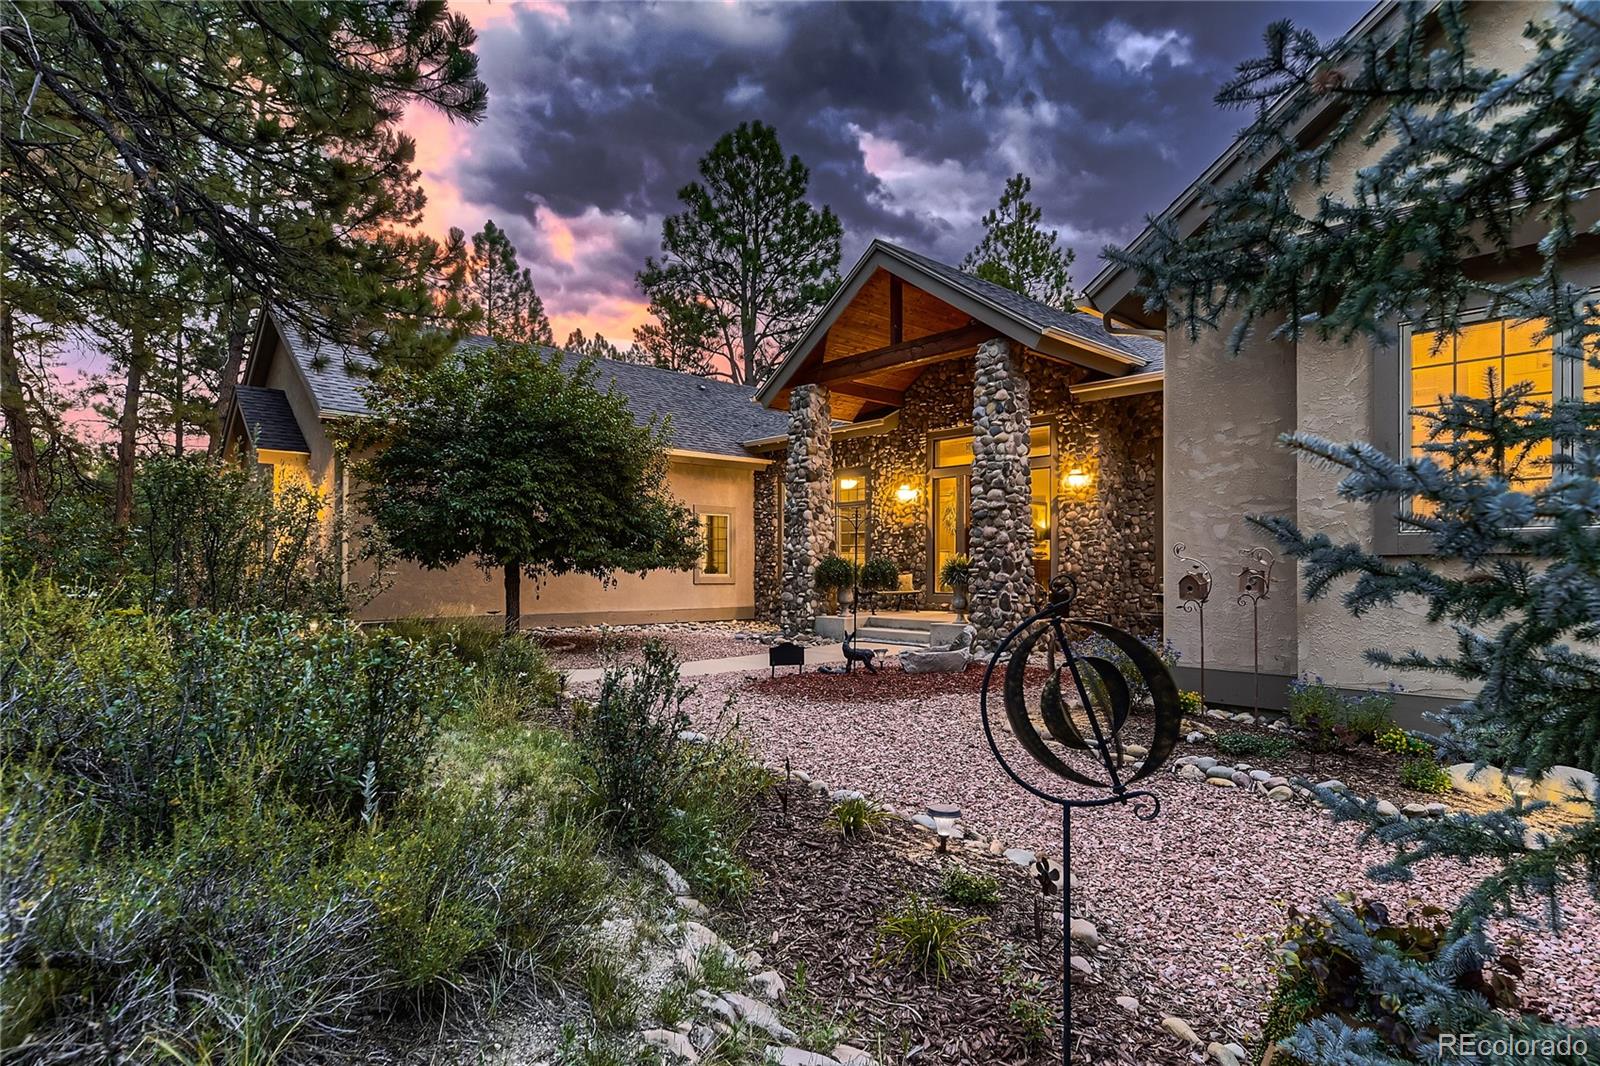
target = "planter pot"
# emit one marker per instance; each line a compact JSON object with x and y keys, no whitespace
{"x":958,"y":602}
{"x":847,"y":597}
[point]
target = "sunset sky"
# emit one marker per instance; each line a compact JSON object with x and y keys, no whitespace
{"x":910,"y":117}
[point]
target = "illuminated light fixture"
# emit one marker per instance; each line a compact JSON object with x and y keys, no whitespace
{"x":848,"y":483}
{"x":905,"y":493}
{"x":1078,"y":478}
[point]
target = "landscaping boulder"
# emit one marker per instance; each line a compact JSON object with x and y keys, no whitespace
{"x":1564,"y":784}
{"x":934,"y":661}
{"x":1467,"y":779}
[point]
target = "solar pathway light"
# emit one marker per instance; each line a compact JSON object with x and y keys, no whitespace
{"x":1104,"y":715}
{"x":944,"y":816}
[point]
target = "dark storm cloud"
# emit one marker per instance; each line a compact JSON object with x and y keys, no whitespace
{"x":910,"y":116}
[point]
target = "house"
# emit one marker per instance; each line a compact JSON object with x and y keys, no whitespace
{"x":933,"y":413}
{"x":296,"y":390}
{"x":1224,"y":415}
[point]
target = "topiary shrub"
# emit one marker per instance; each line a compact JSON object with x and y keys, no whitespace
{"x":880,"y":574}
{"x":835,"y":572}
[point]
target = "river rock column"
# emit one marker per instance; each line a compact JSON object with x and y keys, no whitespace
{"x":1000,"y":592}
{"x":807,"y":505}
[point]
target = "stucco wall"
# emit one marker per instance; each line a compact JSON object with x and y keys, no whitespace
{"x":574,"y":600}
{"x":1223,"y":415}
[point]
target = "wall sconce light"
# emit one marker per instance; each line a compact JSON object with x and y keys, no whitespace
{"x":848,"y":483}
{"x":905,"y":494}
{"x":1077,"y":478}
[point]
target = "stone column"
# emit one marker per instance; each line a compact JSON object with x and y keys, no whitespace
{"x":1000,"y":542}
{"x":807,"y":505}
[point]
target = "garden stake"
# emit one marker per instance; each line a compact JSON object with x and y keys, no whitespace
{"x":1254,"y":583}
{"x":1194,"y":589}
{"x":1105,"y":719}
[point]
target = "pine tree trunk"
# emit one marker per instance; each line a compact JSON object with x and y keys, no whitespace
{"x":749,"y":338}
{"x":19,"y":427}
{"x":127,"y":444}
{"x":237,"y":337}
{"x":513,"y":578}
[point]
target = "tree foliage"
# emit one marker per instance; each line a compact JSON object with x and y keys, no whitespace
{"x":750,"y":248}
{"x":1468,"y":170}
{"x":595,"y":347}
{"x":680,"y":338}
{"x":500,"y":290}
{"x":1016,"y":251}
{"x":523,"y":464}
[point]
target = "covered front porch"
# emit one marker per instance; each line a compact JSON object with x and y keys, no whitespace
{"x":934,"y":414}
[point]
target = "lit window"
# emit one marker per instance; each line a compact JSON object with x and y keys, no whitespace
{"x":1039,"y":478}
{"x":850,"y":513}
{"x":957,"y":451}
{"x":714,"y":532}
{"x":1464,"y":363}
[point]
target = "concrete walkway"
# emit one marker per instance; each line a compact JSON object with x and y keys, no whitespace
{"x":739,"y":664}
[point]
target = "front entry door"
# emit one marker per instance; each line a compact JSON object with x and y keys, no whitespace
{"x":951,"y":507}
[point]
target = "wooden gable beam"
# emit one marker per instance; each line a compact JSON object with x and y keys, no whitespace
{"x":897,"y":320}
{"x":875,"y":393}
{"x":927,"y":349}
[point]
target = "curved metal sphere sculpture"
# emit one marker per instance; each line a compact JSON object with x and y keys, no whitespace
{"x":1103,"y":694}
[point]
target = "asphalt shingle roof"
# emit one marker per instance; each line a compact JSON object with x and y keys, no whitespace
{"x":268,"y":419}
{"x":707,"y":415}
{"x":1087,"y":326}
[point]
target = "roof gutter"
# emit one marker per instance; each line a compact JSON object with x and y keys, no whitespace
{"x":1116,"y":388}
{"x":716,"y":457}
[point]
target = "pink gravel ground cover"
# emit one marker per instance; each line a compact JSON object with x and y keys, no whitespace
{"x":1198,"y":893}
{"x":581,"y":648}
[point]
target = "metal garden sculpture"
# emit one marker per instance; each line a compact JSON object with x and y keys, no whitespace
{"x":1255,"y":582}
{"x":1194,"y":589}
{"x":1093,"y":726}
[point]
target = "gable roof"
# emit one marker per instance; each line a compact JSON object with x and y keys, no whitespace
{"x":707,"y":415}
{"x":1078,"y":337}
{"x":1112,"y":289}
{"x":268,"y":419}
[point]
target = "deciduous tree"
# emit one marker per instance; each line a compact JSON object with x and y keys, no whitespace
{"x":751,"y":248}
{"x":522,"y":463}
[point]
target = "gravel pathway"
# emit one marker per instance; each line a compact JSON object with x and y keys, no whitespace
{"x":1197,"y":892}
{"x":581,"y":648}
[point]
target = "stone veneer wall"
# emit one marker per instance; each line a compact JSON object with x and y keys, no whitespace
{"x":808,"y":533}
{"x":768,"y":531}
{"x":1000,"y":536}
{"x":1108,"y":535}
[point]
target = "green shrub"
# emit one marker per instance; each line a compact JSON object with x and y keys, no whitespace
{"x":1333,"y":719}
{"x":1035,"y":1014}
{"x":926,"y":937}
{"x":714,"y":806}
{"x":1241,"y":744}
{"x":879,"y":574}
{"x":630,"y":738}
{"x":136,"y":711}
{"x":969,"y":887}
{"x":1318,"y":975}
{"x":1425,"y":775}
{"x":1191,"y":703}
{"x":836,"y":572}
{"x":1399,"y":742}
{"x":856,"y":817}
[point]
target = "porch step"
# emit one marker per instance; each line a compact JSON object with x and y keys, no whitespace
{"x":886,"y":635}
{"x":904,"y":621}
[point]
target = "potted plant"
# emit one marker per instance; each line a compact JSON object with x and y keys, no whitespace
{"x":879,"y":574}
{"x":839,"y":575}
{"x":955,"y":574}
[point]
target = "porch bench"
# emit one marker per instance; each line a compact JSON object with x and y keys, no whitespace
{"x":900,"y":593}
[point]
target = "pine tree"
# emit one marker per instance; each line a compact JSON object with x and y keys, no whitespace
{"x":500,"y":290}
{"x":1470,"y":162}
{"x":1019,"y":253}
{"x":596,"y":347}
{"x":680,"y":338}
{"x":750,"y":248}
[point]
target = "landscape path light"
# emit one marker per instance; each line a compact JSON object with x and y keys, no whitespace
{"x":944,"y":816}
{"x":1105,"y":702}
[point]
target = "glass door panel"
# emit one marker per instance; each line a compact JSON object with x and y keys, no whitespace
{"x":1043,"y":533}
{"x":949,"y":525}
